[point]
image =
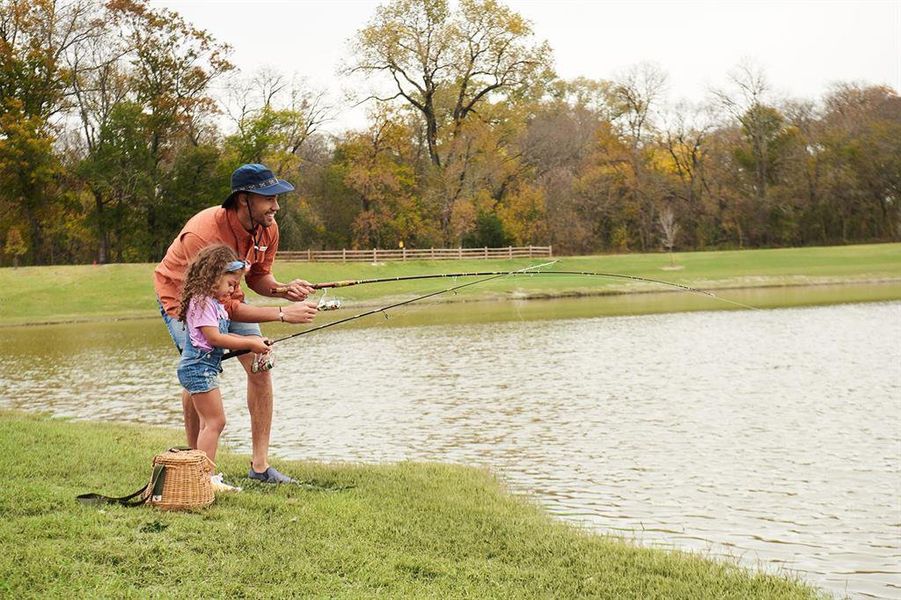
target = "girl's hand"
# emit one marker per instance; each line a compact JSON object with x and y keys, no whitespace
{"x":259,"y":345}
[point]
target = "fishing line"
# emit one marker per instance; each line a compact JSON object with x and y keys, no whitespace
{"x":352,"y":282}
{"x":384,"y":309}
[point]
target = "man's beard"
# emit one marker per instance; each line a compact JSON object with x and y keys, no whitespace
{"x":263,"y":221}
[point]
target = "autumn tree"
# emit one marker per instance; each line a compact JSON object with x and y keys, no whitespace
{"x":862,"y":146}
{"x":36,"y":37}
{"x":556,"y":145}
{"x":637,"y":97}
{"x":379,"y":167}
{"x":15,"y":246}
{"x":447,"y":65}
{"x":685,"y":139}
{"x":759,"y":149}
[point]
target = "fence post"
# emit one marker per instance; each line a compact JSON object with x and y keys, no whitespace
{"x":460,"y":252}
{"x":486,"y":252}
{"x":343,"y":254}
{"x":530,"y":250}
{"x":309,"y":255}
{"x":550,"y":251}
{"x":375,"y":255}
{"x":510,"y":251}
{"x":432,"y":255}
{"x":404,"y":252}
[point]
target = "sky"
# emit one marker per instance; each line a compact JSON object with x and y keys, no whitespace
{"x":802,"y":46}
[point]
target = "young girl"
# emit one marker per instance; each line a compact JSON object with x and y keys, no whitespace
{"x":211,"y":278}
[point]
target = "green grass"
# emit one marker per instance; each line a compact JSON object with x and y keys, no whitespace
{"x":355,"y":531}
{"x":66,"y":293}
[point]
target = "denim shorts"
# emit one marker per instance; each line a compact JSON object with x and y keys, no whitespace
{"x":200,"y":374}
{"x":177,"y":328}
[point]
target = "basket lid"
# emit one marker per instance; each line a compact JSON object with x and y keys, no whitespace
{"x":180,"y":456}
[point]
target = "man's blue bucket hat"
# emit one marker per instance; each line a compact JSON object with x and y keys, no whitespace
{"x":257,"y":179}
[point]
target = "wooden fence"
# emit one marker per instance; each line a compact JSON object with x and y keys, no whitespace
{"x":379,"y":255}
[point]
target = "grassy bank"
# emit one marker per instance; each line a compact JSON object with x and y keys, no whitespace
{"x":354,"y":531}
{"x":65,"y":293}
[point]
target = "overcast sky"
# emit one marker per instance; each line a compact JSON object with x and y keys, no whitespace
{"x":803,"y":46}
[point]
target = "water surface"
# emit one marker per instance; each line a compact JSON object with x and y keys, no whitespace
{"x":773,"y":437}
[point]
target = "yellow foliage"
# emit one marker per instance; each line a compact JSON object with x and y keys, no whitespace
{"x":463,"y":218}
{"x":524,"y":215}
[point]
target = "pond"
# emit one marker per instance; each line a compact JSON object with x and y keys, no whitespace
{"x":772,"y":437}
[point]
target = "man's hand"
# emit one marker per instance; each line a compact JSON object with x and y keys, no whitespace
{"x":295,"y":291}
{"x":300,"y":312}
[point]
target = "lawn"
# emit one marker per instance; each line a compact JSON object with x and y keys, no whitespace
{"x":84,"y":292}
{"x":349,"y":531}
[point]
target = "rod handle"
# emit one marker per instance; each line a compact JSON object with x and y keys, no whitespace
{"x":281,"y":289}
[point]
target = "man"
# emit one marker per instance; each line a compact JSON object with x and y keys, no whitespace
{"x":246,"y":223}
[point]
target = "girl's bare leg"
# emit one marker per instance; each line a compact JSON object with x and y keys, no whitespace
{"x":192,"y":419}
{"x":212,"y":420}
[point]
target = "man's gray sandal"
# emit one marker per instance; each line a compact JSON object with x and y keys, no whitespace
{"x":270,"y":475}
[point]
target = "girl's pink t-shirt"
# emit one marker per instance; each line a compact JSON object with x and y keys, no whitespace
{"x":204,"y":312}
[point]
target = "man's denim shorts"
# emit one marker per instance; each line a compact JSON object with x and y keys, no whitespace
{"x":177,"y":329}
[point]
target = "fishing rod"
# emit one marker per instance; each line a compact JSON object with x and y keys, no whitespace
{"x":383,"y":309}
{"x":352,"y":282}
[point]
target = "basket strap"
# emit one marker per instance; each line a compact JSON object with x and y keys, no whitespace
{"x":154,"y":487}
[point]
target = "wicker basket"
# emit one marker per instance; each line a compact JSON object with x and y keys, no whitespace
{"x":186,"y":484}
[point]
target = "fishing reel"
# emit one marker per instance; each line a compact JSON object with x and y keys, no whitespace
{"x":333,"y":304}
{"x":262,"y":362}
{"x":328,"y":303}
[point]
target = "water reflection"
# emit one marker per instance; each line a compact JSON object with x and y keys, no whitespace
{"x":771,"y":436}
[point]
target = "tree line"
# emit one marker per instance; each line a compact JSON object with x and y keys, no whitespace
{"x":118,"y":121}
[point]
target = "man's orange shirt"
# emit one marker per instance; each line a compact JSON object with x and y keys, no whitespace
{"x":214,"y":225}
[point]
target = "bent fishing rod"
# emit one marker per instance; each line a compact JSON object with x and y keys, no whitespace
{"x":352,"y":282}
{"x":384,"y":309}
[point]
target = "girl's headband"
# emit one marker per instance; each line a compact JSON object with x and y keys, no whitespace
{"x":236,"y":265}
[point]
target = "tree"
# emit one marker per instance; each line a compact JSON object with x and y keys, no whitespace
{"x":446,"y":66}
{"x":635,"y":96}
{"x":28,"y":173}
{"x":763,"y":138}
{"x":117,"y":171}
{"x":556,"y":145}
{"x":670,"y":230}
{"x":274,"y":118}
{"x":603,"y":191}
{"x":862,"y":143}
{"x":15,"y":246}
{"x":378,"y":166}
{"x":685,"y":140}
{"x":760,"y":123}
{"x":105,"y":154}
{"x":171,"y":65}
{"x":36,"y":39}
{"x":523,"y":216}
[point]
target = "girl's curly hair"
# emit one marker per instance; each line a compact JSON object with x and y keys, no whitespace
{"x":203,"y":273}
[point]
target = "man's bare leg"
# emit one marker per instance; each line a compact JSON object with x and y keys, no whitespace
{"x":259,"y":405}
{"x":192,"y":419}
